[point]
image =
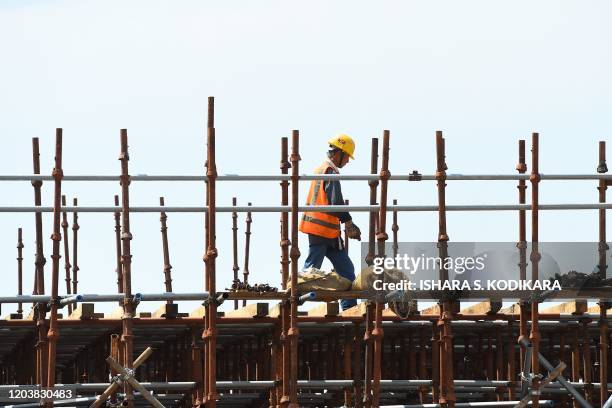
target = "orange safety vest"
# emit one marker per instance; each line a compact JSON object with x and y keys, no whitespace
{"x":318,"y":223}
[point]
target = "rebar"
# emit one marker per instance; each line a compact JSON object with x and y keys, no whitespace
{"x":19,"y":269}
{"x":166,"y":253}
{"x":235,"y":267}
{"x":67,"y":265}
{"x":53,"y":333}
{"x":127,"y":336}
{"x":247,"y":248}
{"x":75,"y":242}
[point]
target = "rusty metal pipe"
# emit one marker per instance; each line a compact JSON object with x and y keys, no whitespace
{"x":235,"y":266}
{"x":39,"y":276}
{"x":56,"y":236}
{"x":534,"y":335}
{"x":211,"y":255}
{"x":447,"y":392}
{"x":19,"y":268}
{"x":602,"y":266}
{"x":127,"y":337}
{"x":294,"y":254}
{"x":247,"y":248}
{"x":381,"y":237}
{"x":66,"y":251}
{"x":75,"y":248}
{"x":118,"y":247}
{"x":283,"y":390}
{"x":166,"y":253}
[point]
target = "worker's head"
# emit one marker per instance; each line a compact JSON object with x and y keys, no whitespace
{"x":341,"y":149}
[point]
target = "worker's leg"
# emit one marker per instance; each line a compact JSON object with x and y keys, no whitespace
{"x":316,"y":254}
{"x":344,"y":266}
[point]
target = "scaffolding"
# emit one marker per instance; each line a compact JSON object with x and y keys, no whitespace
{"x":280,"y":357}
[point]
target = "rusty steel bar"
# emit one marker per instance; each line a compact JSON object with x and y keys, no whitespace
{"x":66,"y":251}
{"x":294,"y":254}
{"x":211,"y":255}
{"x":381,"y":237}
{"x":235,"y":266}
{"x":118,"y":247}
{"x":395,"y":229}
{"x":534,"y":335}
{"x":53,"y":333}
{"x":166,"y":253}
{"x":75,"y":248}
{"x":247,"y":248}
{"x":521,"y":167}
{"x":602,"y":266}
{"x":284,"y":359}
{"x":447,"y":392}
{"x":346,"y":238}
{"x":367,"y":336}
{"x":19,"y":268}
{"x":209,"y":125}
{"x":373,"y":216}
{"x":127,"y":337}
{"x":39,"y":276}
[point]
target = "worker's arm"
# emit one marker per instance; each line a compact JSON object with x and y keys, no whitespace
{"x":334,"y":197}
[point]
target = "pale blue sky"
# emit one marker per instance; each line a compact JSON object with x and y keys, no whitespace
{"x":486,"y":73}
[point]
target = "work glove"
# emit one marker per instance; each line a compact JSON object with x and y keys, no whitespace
{"x":352,"y":230}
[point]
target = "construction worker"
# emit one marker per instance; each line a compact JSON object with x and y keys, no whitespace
{"x":323,"y":228}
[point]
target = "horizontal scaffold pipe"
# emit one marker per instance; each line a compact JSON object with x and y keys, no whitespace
{"x":325,"y":208}
{"x":115,"y":297}
{"x":544,"y":403}
{"x":306,"y":177}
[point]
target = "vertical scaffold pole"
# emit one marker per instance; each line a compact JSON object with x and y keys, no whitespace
{"x":165,"y":249}
{"x":19,"y":268}
{"x":367,"y":336}
{"x":447,"y":392}
{"x":603,"y":247}
{"x":534,"y":335}
{"x":56,"y":236}
{"x":521,"y":167}
{"x":247,"y":249}
{"x":293,"y":333}
{"x":117,"y":215}
{"x":66,"y":251}
{"x":381,"y":237}
{"x":282,"y":365}
{"x":75,"y":248}
{"x":211,"y":257}
{"x":235,"y":267}
{"x":127,"y":338}
{"x":39,"y":278}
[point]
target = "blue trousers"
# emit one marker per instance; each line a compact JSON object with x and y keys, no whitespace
{"x":341,"y":261}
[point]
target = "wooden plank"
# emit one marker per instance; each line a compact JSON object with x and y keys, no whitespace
{"x":83,"y":311}
{"x":325,"y":309}
{"x":485,"y":307}
{"x":252,"y":310}
{"x":575,"y":307}
{"x":14,"y":316}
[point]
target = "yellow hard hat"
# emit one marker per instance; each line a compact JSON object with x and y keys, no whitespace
{"x":344,"y":143}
